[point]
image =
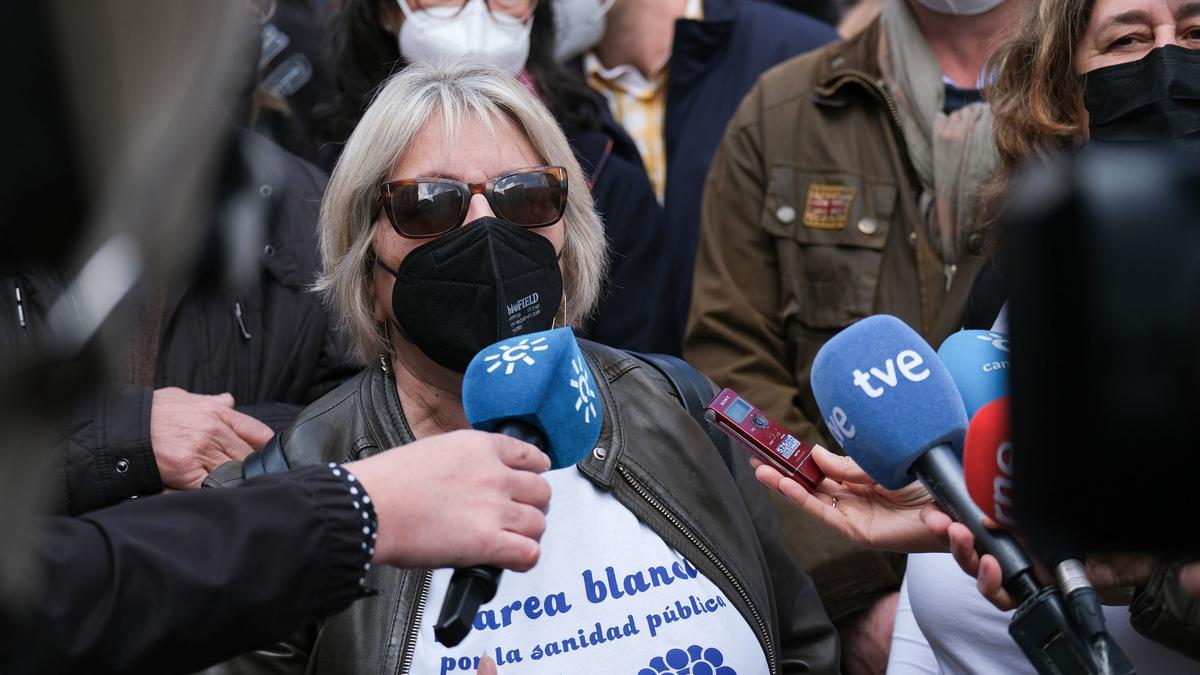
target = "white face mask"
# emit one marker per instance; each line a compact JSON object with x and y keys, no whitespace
{"x":960,"y":7}
{"x":437,"y":34}
{"x":578,"y":26}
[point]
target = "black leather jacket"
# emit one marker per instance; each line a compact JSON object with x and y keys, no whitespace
{"x":267,"y":341}
{"x":654,"y":459}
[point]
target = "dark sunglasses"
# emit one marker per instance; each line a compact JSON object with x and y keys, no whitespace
{"x":420,"y":208}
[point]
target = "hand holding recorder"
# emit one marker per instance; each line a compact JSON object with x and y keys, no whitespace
{"x":831,"y":488}
{"x":850,"y":503}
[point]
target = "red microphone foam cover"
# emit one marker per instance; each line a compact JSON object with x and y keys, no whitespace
{"x":987,"y":462}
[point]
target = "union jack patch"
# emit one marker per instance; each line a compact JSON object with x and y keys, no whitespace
{"x":827,"y":207}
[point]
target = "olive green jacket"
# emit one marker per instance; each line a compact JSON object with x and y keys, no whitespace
{"x":810,"y":223}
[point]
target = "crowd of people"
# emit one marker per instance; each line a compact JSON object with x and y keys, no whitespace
{"x":729,"y":181}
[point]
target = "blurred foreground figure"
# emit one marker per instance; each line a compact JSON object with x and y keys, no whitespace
{"x":117,"y":199}
{"x":222,"y":346}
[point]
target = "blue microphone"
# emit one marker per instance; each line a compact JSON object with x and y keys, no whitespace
{"x":978,"y":362}
{"x":892,"y":406}
{"x":536,"y":388}
{"x":541,"y":382}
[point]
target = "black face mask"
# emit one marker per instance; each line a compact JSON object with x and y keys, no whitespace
{"x":475,"y":286}
{"x":1154,"y":99}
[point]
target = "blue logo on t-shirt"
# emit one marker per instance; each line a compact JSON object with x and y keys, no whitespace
{"x":695,"y":661}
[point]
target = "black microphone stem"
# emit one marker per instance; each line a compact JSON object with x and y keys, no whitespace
{"x":940,"y":471}
{"x":471,"y":587}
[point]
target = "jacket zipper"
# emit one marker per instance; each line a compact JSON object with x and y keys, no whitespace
{"x":949,"y":270}
{"x":414,"y":629}
{"x":237,"y":314}
{"x":876,"y":85}
{"x":21,"y":313}
{"x":666,"y":513}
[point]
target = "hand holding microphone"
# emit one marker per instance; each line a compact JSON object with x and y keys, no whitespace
{"x":536,"y":388}
{"x":895,"y":409}
{"x":891,"y":403}
{"x":462,"y":498}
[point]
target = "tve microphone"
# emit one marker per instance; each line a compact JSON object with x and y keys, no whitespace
{"x":978,"y":362}
{"x":535,"y":387}
{"x":889,"y":401}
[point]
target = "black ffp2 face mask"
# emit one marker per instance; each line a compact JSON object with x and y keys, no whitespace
{"x":1156,"y":98}
{"x":484,"y":282}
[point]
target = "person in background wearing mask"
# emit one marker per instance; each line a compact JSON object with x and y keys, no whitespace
{"x":633,"y":543}
{"x":672,"y":72}
{"x":845,"y":187}
{"x":1109,"y":71}
{"x":372,"y":39}
{"x":1075,"y":71}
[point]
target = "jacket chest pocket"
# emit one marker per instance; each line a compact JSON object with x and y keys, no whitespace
{"x":830,"y":231}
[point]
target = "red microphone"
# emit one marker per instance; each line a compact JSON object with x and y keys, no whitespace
{"x":988,"y":471}
{"x":987,"y":462}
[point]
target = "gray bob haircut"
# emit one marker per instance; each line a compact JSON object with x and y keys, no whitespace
{"x":405,"y":104}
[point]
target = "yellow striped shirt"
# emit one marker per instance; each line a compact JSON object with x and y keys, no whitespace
{"x":639,"y":104}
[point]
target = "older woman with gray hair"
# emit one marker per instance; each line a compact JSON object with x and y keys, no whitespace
{"x":657,"y":555}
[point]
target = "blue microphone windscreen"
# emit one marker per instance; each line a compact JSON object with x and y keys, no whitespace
{"x":540,"y":378}
{"x":886,"y":397}
{"x":978,"y":362}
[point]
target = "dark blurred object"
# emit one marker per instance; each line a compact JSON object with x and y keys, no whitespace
{"x":292,"y":75}
{"x":179,"y":582}
{"x":114,"y":158}
{"x":247,"y":305}
{"x":121,"y":114}
{"x":42,"y":201}
{"x":1104,"y":254}
{"x":825,"y":10}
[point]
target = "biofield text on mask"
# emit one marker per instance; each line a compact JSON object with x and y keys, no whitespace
{"x":450,"y":34}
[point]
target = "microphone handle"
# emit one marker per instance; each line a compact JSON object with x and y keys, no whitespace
{"x":1083,"y":601}
{"x":522,"y":431}
{"x":471,"y":587}
{"x":941,"y":472}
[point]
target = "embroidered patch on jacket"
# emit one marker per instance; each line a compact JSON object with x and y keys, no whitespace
{"x":828,"y":206}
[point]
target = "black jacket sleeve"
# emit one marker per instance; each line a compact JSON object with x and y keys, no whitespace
{"x":1163,"y":612}
{"x":643,"y":296}
{"x":181,"y":581}
{"x":105,"y":450}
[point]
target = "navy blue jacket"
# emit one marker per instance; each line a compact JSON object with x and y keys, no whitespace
{"x":638,"y":284}
{"x":714,"y":63}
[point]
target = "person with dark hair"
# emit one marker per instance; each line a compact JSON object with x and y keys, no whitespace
{"x":371,"y":40}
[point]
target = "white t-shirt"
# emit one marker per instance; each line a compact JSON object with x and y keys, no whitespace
{"x":608,"y":595}
{"x":944,"y":625}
